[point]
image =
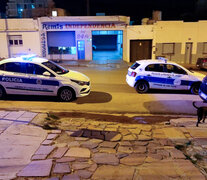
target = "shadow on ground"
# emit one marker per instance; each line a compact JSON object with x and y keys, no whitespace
{"x":170,"y":106}
{"x":164,"y":91}
{"x":93,"y":97}
{"x":115,"y":118}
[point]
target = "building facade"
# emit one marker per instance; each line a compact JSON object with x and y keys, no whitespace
{"x":103,"y":38}
{"x":83,"y":38}
{"x":182,"y":42}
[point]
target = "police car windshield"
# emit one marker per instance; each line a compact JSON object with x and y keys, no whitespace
{"x":56,"y":68}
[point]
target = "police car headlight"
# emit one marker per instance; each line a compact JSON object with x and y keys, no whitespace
{"x":81,"y":83}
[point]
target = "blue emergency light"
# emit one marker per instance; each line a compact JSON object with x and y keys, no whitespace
{"x":28,"y":57}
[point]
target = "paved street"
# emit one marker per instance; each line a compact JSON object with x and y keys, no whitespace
{"x":88,"y":149}
{"x":111,"y":94}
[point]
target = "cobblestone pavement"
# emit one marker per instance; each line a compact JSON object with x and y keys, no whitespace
{"x":88,"y":149}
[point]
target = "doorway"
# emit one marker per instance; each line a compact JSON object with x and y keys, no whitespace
{"x":140,"y":49}
{"x":81,"y":49}
{"x":188,"y":53}
{"x":107,"y":45}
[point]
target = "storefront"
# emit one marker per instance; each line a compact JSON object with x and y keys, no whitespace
{"x":83,"y":38}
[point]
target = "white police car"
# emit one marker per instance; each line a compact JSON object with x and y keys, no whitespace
{"x":32,"y":75}
{"x":162,"y":74}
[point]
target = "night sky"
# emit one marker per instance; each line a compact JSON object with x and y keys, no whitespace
{"x":136,"y":9}
{"x":187,"y":10}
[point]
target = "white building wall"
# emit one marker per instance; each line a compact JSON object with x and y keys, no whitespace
{"x":27,"y":28}
{"x":3,"y":45}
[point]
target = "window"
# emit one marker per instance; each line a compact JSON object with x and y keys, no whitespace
{"x":35,"y":69}
{"x":54,"y":67}
{"x":175,"y":69}
{"x":168,"y":48}
{"x":135,"y":65}
{"x":2,"y":67}
{"x":155,"y":68}
{"x":15,"y":40}
{"x":61,"y":42}
{"x":205,"y":48}
{"x":14,"y":67}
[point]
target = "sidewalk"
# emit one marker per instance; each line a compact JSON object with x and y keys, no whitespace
{"x":108,"y":63}
{"x":88,"y":149}
{"x":94,"y":63}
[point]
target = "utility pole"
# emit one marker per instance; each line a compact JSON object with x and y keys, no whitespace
{"x":88,"y":7}
{"x":7,"y":36}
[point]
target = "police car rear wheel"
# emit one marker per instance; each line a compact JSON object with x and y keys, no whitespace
{"x":2,"y":92}
{"x":142,"y":87}
{"x":66,"y":94}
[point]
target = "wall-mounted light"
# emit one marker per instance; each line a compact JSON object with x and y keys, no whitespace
{"x":54,"y":13}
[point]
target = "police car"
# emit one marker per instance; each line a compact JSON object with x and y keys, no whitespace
{"x":162,"y":74}
{"x":203,"y":89}
{"x":32,"y":75}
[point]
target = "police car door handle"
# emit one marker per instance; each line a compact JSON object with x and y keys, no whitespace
{"x":148,"y":75}
{"x":169,"y":77}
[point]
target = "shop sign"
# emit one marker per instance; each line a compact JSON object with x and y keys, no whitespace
{"x":77,"y":26}
{"x":43,"y":44}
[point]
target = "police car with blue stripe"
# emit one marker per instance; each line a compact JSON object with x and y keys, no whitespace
{"x":162,"y":74}
{"x":32,"y":75}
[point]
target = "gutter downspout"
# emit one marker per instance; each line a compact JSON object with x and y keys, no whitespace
{"x":7,"y":37}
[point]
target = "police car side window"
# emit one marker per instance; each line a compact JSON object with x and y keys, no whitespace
{"x":13,"y":67}
{"x":35,"y":69}
{"x":2,"y":67}
{"x":175,"y":69}
{"x":155,"y":67}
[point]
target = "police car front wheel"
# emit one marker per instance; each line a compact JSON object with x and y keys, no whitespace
{"x":66,"y":94}
{"x":142,"y":87}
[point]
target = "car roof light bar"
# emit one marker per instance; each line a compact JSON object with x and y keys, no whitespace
{"x":163,"y":59}
{"x":28,"y":57}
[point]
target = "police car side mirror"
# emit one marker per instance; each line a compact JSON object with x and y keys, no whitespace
{"x":46,"y":73}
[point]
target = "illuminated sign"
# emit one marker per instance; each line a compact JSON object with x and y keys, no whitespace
{"x":77,"y":26}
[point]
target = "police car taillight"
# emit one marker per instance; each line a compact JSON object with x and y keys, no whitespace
{"x":133,"y":74}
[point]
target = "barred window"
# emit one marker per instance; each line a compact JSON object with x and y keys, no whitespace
{"x":15,"y":40}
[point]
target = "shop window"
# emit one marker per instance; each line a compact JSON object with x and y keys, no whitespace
{"x":168,"y":48}
{"x":205,"y":48}
{"x":61,"y":42}
{"x":15,"y":40}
